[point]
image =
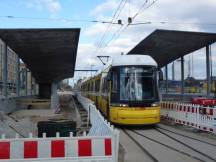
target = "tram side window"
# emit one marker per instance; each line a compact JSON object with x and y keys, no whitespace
{"x":114,"y":83}
{"x":92,"y":86}
{"x":88,"y":87}
{"x":102,"y":85}
{"x":105,"y":86}
{"x":97,"y":85}
{"x":115,"y":93}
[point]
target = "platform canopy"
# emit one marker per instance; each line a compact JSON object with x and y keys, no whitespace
{"x":50,"y":54}
{"x":165,"y":46}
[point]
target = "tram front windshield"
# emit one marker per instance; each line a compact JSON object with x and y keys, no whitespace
{"x":137,"y":84}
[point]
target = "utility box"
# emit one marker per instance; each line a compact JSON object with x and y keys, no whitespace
{"x":64,"y":127}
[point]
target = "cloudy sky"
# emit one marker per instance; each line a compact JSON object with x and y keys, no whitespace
{"x":112,"y":39}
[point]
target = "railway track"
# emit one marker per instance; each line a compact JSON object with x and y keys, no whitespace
{"x":151,"y":156}
{"x":180,"y":134}
{"x":161,"y":144}
{"x":187,"y":145}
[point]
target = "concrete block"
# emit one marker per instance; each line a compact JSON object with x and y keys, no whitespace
{"x":7,"y":105}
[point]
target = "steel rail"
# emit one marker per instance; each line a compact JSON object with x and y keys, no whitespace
{"x":141,"y":147}
{"x":186,"y":145}
{"x":170,"y":147}
{"x":186,"y":136}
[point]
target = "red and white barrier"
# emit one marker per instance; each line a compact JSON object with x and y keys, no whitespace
{"x":99,"y":125}
{"x":101,"y":144}
{"x":199,"y":117}
{"x":84,"y":148}
{"x":204,"y":101}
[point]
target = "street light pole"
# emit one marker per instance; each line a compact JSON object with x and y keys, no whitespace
{"x":91,"y":69}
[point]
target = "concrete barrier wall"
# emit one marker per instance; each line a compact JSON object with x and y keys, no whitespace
{"x":9,"y":105}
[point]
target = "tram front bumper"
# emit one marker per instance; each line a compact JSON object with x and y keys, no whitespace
{"x":135,"y":116}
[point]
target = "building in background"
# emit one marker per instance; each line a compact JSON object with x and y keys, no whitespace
{"x":29,"y":88}
{"x":1,"y":66}
{"x":11,"y":70}
{"x":28,"y":84}
{"x":23,"y":73}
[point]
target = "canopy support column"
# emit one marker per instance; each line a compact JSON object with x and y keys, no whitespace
{"x":31,"y":87}
{"x":54,"y":97}
{"x":18,"y":77}
{"x":166,"y":73}
{"x":5,"y":71}
{"x":182,"y":75}
{"x":208,"y":71}
{"x":173,"y":70}
{"x":26,"y":81}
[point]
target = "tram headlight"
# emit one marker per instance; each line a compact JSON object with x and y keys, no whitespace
{"x":123,"y":105}
{"x":156,"y":104}
{"x":119,"y":105}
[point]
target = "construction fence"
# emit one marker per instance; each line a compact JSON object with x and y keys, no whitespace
{"x":99,"y":145}
{"x":57,"y":149}
{"x":197,"y":116}
{"x":99,"y":126}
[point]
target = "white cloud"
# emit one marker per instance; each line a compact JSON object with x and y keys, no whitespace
{"x":108,"y":5}
{"x":181,"y":14}
{"x":53,"y":6}
{"x":92,"y":32}
{"x":158,"y":12}
{"x":85,"y":57}
{"x":123,"y":42}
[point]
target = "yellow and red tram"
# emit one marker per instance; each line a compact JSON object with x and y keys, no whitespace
{"x":126,"y":90}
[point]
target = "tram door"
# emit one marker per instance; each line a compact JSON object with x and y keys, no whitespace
{"x":104,"y":97}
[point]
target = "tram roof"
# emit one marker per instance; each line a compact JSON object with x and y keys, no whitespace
{"x":165,"y":46}
{"x":124,"y":60}
{"x":50,"y":54}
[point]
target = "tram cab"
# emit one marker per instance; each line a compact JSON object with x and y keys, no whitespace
{"x":134,"y":94}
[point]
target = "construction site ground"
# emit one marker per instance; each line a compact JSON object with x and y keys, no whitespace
{"x":24,"y":121}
